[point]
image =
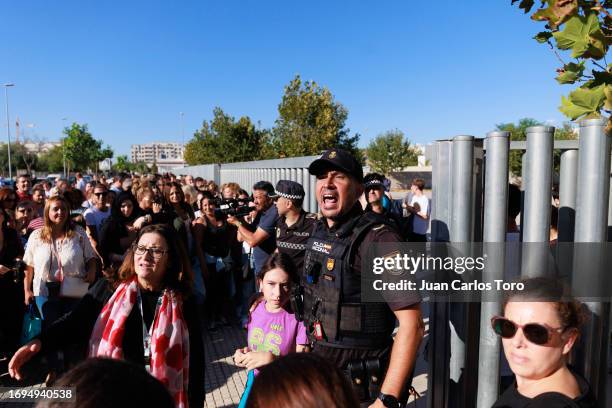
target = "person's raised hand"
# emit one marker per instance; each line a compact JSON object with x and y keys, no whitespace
{"x":22,"y":356}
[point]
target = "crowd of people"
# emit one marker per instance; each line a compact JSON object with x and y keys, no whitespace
{"x":136,"y":267}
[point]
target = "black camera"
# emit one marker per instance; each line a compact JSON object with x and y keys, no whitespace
{"x":18,"y":271}
{"x":236,"y":207}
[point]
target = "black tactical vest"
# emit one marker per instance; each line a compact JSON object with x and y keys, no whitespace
{"x":345,"y":323}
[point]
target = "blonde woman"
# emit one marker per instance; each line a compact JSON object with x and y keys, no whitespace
{"x":57,"y":254}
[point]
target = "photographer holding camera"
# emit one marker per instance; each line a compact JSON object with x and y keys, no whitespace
{"x":261,"y":234}
{"x":217,"y":240}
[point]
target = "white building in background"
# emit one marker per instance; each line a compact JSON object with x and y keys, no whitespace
{"x":166,"y":155}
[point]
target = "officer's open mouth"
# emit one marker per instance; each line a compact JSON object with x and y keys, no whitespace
{"x":330,"y":198}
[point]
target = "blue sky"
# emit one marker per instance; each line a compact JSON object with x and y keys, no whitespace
{"x":430,"y":69}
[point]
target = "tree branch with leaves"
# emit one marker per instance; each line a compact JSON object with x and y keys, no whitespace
{"x":582,"y":29}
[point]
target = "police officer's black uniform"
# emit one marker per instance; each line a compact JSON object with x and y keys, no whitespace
{"x":292,"y":240}
{"x":355,"y":335}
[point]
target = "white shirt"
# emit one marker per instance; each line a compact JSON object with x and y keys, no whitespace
{"x":73,"y":252}
{"x":419,"y":225}
{"x":95,"y":217}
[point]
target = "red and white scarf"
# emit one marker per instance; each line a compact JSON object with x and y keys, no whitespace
{"x":169,"y":340}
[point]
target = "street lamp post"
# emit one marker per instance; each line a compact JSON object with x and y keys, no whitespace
{"x":64,"y":147}
{"x":8,"y":129}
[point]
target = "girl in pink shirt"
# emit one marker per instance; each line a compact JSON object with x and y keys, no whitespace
{"x":273,"y":329}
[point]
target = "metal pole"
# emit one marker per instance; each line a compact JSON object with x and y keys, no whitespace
{"x":591,"y":226}
{"x":494,"y":236}
{"x":567,"y":195}
{"x":8,"y":129}
{"x":460,"y":232}
{"x":538,"y":188}
{"x":462,"y":164}
{"x":439,"y":330}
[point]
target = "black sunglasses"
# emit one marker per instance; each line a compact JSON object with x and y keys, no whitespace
{"x":101,"y":194}
{"x":534,"y":332}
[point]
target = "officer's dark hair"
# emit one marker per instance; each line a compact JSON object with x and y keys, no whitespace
{"x":242,"y":192}
{"x":297,"y":202}
{"x":276,"y":260}
{"x":264,"y":186}
{"x":105,"y":382}
{"x":301,"y":380}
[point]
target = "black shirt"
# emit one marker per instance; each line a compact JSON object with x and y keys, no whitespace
{"x":76,"y":327}
{"x":291,"y":240}
{"x":511,"y":398}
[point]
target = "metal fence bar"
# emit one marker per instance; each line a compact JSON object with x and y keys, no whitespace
{"x":538,"y":185}
{"x":461,"y":230}
{"x":495,"y":215}
{"x":591,"y":226}
{"x":438,"y":384}
{"x":568,"y":177}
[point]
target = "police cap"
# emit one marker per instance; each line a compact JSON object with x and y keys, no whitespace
{"x":290,"y":189}
{"x":338,"y":159}
{"x":373,"y":180}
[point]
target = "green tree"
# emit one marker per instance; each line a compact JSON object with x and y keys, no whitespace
{"x":52,"y":161}
{"x":518,"y":132}
{"x":82,"y":150}
{"x":122,"y":164}
{"x":140,"y":167}
{"x":582,"y":29}
{"x":310,"y":121}
{"x":225,"y":140}
{"x":390,"y":152}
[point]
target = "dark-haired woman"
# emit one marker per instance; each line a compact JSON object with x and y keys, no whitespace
{"x":144,"y":314}
{"x":8,"y":201}
{"x":11,"y":288}
{"x":118,"y":230}
{"x":539,"y":329}
{"x":221,"y":250}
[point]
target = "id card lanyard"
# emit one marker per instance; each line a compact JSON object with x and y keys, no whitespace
{"x":147,"y":334}
{"x":60,"y":271}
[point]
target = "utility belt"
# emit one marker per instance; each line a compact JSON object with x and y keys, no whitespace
{"x":366,"y":377}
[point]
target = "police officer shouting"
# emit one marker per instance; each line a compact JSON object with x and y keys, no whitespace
{"x":294,"y":225}
{"x":355,"y":335}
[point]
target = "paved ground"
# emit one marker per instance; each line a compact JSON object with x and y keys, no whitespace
{"x":225,"y":382}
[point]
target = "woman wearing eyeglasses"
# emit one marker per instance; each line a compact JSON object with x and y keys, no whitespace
{"x":539,"y":329}
{"x":144,"y":314}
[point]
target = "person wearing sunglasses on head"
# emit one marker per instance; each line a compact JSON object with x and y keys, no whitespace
{"x":95,"y":216}
{"x":539,"y":328}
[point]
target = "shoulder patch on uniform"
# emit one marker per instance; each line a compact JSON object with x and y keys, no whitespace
{"x":378,"y":227}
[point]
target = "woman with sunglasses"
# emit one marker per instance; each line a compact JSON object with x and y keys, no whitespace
{"x":539,"y":329}
{"x":144,"y":314}
{"x":8,"y":201}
